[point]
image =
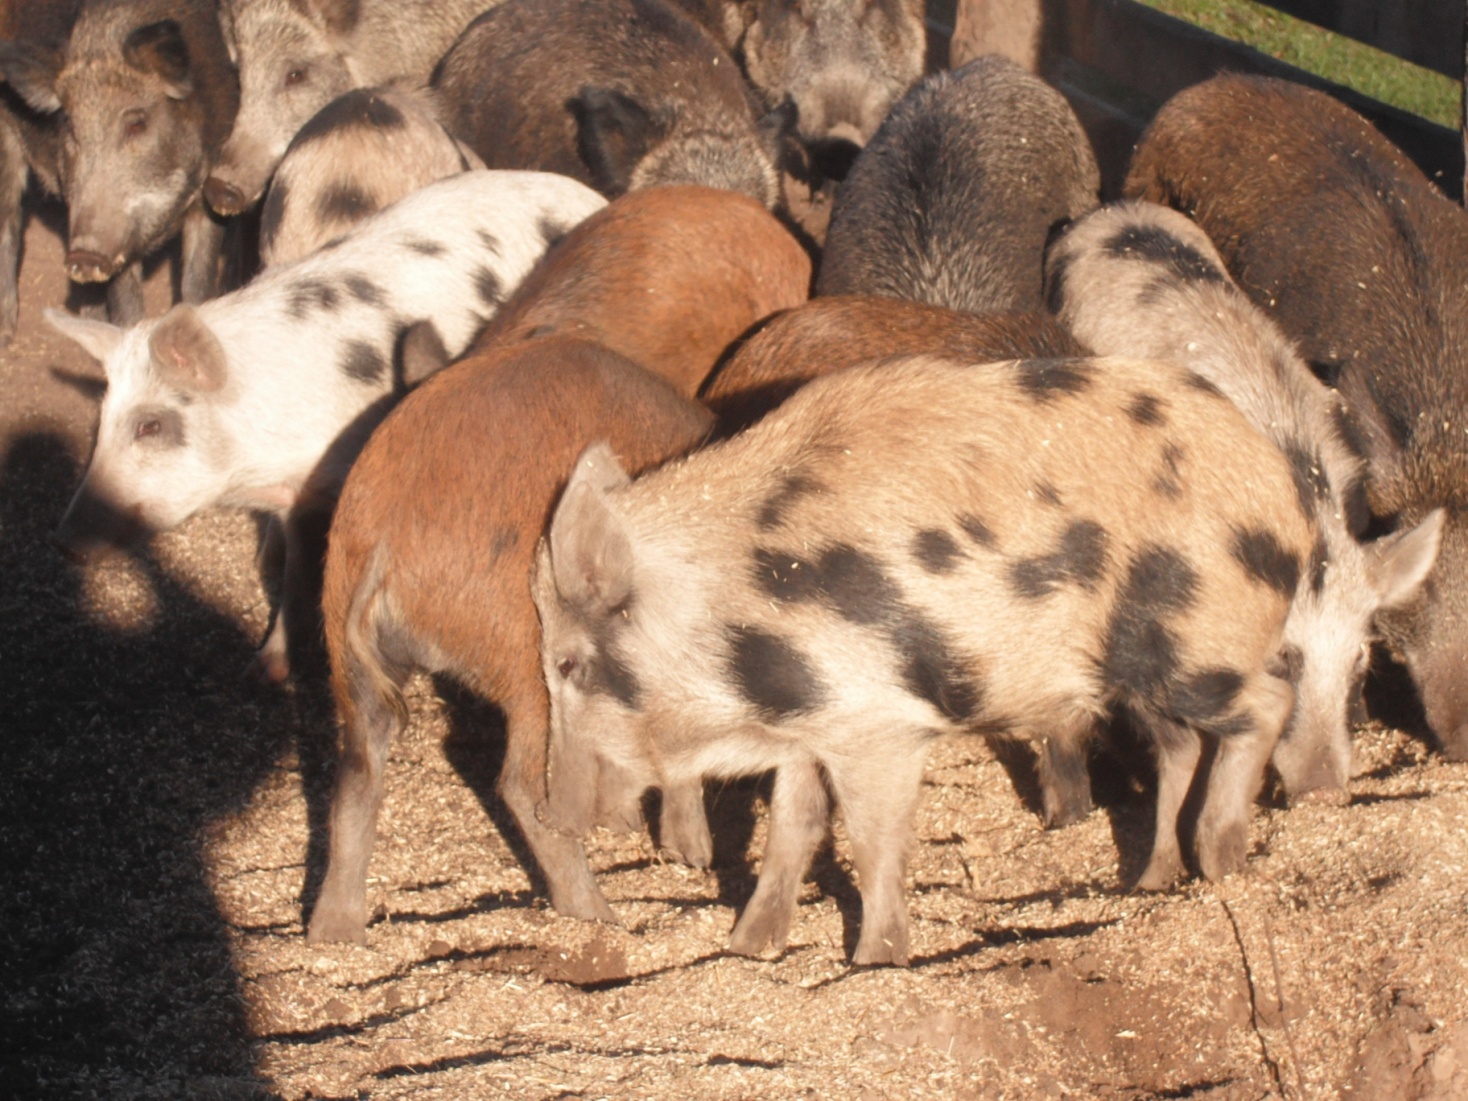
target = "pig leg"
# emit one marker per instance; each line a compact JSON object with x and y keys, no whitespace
{"x":878,"y":794}
{"x":1179,"y":749}
{"x":1064,"y":782}
{"x":125,"y":296}
{"x":799,"y":815}
{"x":562,"y":858}
{"x":369,"y":723}
{"x":618,"y":799}
{"x":203,"y":245}
{"x":1223,"y":826}
{"x":684,"y":827}
{"x":301,"y":536}
{"x":13,"y":172}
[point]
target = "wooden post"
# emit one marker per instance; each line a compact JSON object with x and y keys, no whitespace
{"x":1008,"y":27}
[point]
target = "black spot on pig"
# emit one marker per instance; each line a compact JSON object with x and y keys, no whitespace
{"x":609,"y":675}
{"x":491,"y":289}
{"x":1146,"y":410}
{"x":344,"y":201}
{"x":490,"y":242}
{"x":1169,"y":479}
{"x":1080,"y":557}
{"x":364,"y":290}
{"x":1205,"y":699}
{"x":786,"y":577}
{"x":362,"y":362}
{"x":977,"y":530}
{"x":551,"y":230}
{"x":1311,"y":485}
{"x":936,"y":550}
{"x":791,"y":489}
{"x":1046,"y":379}
{"x":1141,"y":652}
{"x":1356,"y":507}
{"x":772,"y":674}
{"x":357,"y":108}
{"x":933,"y":671}
{"x":1047,"y":494}
{"x":1266,"y":560}
{"x":1056,"y":272}
{"x":857,"y":586}
{"x":424,"y":247}
{"x":312,"y":294}
{"x":1203,"y":385}
{"x":1157,"y":245}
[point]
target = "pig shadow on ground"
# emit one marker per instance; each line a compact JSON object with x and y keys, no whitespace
{"x":122,"y":747}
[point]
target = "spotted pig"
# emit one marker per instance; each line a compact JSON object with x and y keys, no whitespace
{"x":259,"y":399}
{"x":1359,"y":259}
{"x":1141,"y":279}
{"x":825,"y":592}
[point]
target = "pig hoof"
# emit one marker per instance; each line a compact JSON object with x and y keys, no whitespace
{"x":1161,"y":874}
{"x":584,"y":905}
{"x":689,"y":843}
{"x":330,"y":926}
{"x":1060,"y":813}
{"x":758,"y":928}
{"x":1222,"y":852}
{"x":877,"y":952}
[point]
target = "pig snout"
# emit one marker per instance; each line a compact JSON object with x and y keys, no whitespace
{"x":225,"y":197}
{"x":85,"y":265}
{"x":95,"y":524}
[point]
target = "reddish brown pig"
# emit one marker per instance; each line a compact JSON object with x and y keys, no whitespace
{"x":429,"y":568}
{"x":668,"y":277}
{"x":1360,"y":260}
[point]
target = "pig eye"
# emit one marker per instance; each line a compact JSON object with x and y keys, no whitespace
{"x":150,"y":427}
{"x":294,"y":77}
{"x":565,"y":667}
{"x":134,"y":125}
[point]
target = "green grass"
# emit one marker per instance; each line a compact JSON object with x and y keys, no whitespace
{"x":1332,"y":56}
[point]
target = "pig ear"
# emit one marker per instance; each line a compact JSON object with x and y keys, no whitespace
{"x":613,"y":133}
{"x":1401,"y":561}
{"x":186,"y":352}
{"x":591,"y":554}
{"x":337,"y":16}
{"x":159,"y":48}
{"x":98,"y":337}
{"x":421,"y":352}
{"x":31,"y":69}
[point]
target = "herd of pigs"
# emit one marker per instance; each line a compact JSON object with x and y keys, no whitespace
{"x":689,"y":490}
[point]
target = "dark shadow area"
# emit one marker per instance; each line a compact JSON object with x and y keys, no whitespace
{"x":120,"y":749}
{"x":1390,"y":696}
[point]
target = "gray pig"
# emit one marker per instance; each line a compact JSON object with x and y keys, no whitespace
{"x":364,"y":150}
{"x":146,"y":94}
{"x":916,"y":548}
{"x":260,"y":398}
{"x":296,"y":56}
{"x":953,"y":200}
{"x":621,"y":94}
{"x":1360,"y":260}
{"x":1141,"y":279}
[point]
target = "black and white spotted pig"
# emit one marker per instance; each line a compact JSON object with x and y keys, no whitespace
{"x":363,"y":150}
{"x":296,"y":56}
{"x":953,"y":200}
{"x":144,"y":94}
{"x":1143,"y":280}
{"x":1360,"y":260}
{"x":260,"y":398}
{"x":621,"y":94}
{"x":922,"y":547}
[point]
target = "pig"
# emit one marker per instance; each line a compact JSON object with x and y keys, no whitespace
{"x":296,"y":56}
{"x":1139,"y":279}
{"x":145,"y":95}
{"x":364,"y":150}
{"x":669,"y":277}
{"x":30,"y":141}
{"x":429,"y":568}
{"x":952,"y":201}
{"x":825,"y":592}
{"x":838,"y":331}
{"x":621,"y":94}
{"x":1358,"y":259}
{"x":259,"y":398}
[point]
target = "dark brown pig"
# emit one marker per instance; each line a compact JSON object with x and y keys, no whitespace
{"x":1361,"y":261}
{"x":147,"y":94}
{"x":620,"y":94}
{"x":429,"y":568}
{"x":668,"y":276}
{"x":953,"y":200}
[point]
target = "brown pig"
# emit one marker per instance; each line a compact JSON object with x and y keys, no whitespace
{"x":669,"y":277}
{"x":429,"y":567}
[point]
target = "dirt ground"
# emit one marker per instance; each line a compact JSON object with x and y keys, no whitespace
{"x":162,"y":825}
